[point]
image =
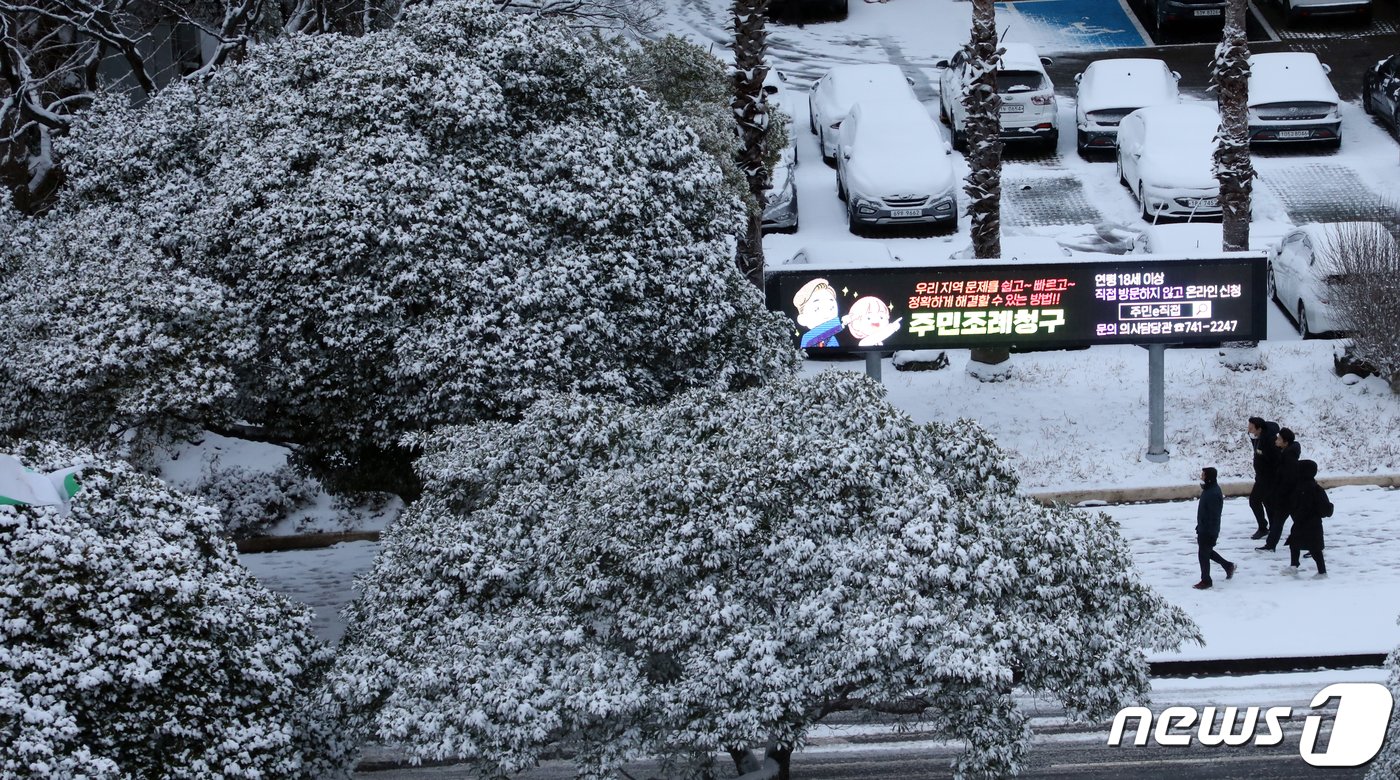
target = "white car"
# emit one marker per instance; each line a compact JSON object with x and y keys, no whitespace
{"x":1111,"y":89}
{"x":1166,"y":158}
{"x":893,"y":167}
{"x":1295,"y":11}
{"x":833,"y":95}
{"x":1303,"y":269}
{"x":1291,"y":100}
{"x":1028,"y":107}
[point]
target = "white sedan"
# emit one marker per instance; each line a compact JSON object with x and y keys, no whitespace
{"x":1304,"y":269}
{"x":1111,"y":89}
{"x":1291,"y":100}
{"x":1166,"y":157}
{"x":833,"y":95}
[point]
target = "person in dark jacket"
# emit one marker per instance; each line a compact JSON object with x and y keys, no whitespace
{"x":1309,"y":505}
{"x":1261,"y":440}
{"x":1208,"y":528}
{"x":1281,"y":491}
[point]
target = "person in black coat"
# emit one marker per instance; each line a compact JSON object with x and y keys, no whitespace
{"x":1281,"y":490}
{"x":1309,"y":505}
{"x":1208,"y":511}
{"x":1261,"y":440}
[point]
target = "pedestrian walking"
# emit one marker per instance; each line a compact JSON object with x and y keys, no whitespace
{"x":1309,"y":505}
{"x":1208,"y":511}
{"x":1266,"y":455}
{"x":1281,"y":491}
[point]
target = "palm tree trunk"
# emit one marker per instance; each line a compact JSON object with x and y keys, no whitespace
{"x":751,"y":112}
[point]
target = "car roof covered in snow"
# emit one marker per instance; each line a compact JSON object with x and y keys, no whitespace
{"x":1184,"y":123}
{"x":1126,"y":83}
{"x":1021,"y":56}
{"x":849,"y":83}
{"x":841,"y":254}
{"x":1288,"y":77}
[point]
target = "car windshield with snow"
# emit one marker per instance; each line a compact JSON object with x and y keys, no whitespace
{"x":1111,"y":89}
{"x":1028,"y":107}
{"x":893,"y":167}
{"x":1291,"y":100}
{"x":833,"y":95}
{"x":1166,"y":158}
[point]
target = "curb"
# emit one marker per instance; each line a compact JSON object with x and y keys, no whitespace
{"x":262,"y":544}
{"x":1185,"y":492}
{"x":1231,"y":666}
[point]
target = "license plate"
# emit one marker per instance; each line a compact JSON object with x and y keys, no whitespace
{"x":1012,"y":108}
{"x":1208,"y":202}
{"x":1295,"y":134}
{"x":906,"y":212}
{"x":1208,"y":12}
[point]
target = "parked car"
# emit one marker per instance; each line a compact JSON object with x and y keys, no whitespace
{"x":1291,"y":100}
{"x":1172,"y":13}
{"x":850,"y":253}
{"x":1027,"y":96}
{"x":1188,"y":239}
{"x":833,"y":95}
{"x":1166,"y":156}
{"x":1380,"y":91}
{"x":1111,"y":89}
{"x":1295,"y":11}
{"x":780,"y":212}
{"x":808,"y":10}
{"x":1014,"y":248}
{"x":893,"y":167}
{"x":1303,"y":270}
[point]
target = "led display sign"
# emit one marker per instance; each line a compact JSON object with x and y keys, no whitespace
{"x":1051,"y":305}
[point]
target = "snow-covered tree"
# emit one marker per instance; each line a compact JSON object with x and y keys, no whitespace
{"x":634,"y":16}
{"x":722,"y":572}
{"x":132,"y":644}
{"x":984,"y":146}
{"x":1233,"y":168}
{"x":431,"y":224}
{"x":1386,"y":766}
{"x":751,"y":113}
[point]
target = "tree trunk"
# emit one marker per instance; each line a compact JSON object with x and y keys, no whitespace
{"x":984,"y":148}
{"x":751,"y":112}
{"x":1230,"y":76}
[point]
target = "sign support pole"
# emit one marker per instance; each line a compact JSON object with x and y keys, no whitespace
{"x":1156,"y":404}
{"x":872,"y":365}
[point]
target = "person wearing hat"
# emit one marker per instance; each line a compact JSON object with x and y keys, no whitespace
{"x":1208,"y":511}
{"x":1261,"y":440}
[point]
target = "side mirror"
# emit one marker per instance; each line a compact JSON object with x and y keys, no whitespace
{"x":1326,"y":68}
{"x":770,"y":89}
{"x":846,"y":153}
{"x":1078,"y":77}
{"x":947,"y":148}
{"x":942,"y":64}
{"x":1047,"y":61}
{"x":908,"y":81}
{"x":1176,"y":75}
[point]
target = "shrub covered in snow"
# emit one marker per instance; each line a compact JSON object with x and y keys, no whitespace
{"x":345,"y":239}
{"x":725,"y":571}
{"x":251,"y":500}
{"x":1387,"y":765}
{"x":132,"y":644}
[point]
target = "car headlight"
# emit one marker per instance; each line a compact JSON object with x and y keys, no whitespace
{"x":866,"y":207}
{"x":944,"y":204}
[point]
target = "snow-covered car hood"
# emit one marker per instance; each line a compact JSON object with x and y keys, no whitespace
{"x":1178,"y":170}
{"x":914,"y":166}
{"x":1288,"y":77}
{"x":1127,"y":83}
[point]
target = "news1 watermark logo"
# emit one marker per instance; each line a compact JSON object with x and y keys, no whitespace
{"x":1358,"y":727}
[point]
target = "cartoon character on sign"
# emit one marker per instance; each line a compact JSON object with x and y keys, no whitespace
{"x":817,"y":311}
{"x":869,"y":321}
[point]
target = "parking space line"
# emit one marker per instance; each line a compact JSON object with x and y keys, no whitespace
{"x":1263,"y":23}
{"x":1132,"y":17}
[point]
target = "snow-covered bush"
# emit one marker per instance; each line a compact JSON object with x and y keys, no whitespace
{"x":432,"y":224}
{"x":251,"y":500}
{"x":132,"y":644}
{"x":726,"y":570}
{"x":1387,"y":765}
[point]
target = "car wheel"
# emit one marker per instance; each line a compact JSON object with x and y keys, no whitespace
{"x":1052,"y":141}
{"x":851,"y":223}
{"x":1081,"y":141}
{"x":1335,"y":143}
{"x":1123,"y":180}
{"x":821,"y":145}
{"x":1271,"y":285}
{"x":1366,"y":97}
{"x":1303,"y":322}
{"x":959,"y":140}
{"x":811,"y":119}
{"x":1147,"y":215}
{"x":942,"y":111}
{"x":1395,"y":120}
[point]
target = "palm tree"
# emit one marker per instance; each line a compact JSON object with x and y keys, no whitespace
{"x":984,"y":147}
{"x":1230,"y":77}
{"x":751,"y":112}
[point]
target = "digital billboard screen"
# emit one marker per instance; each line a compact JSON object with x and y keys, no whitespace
{"x":1027,"y":305}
